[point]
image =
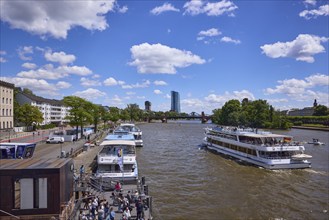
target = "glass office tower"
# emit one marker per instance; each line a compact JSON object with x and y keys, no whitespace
{"x":175,"y":102}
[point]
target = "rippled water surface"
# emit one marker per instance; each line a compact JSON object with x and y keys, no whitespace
{"x":187,"y":182}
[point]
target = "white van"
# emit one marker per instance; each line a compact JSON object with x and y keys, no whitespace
{"x":56,"y":140}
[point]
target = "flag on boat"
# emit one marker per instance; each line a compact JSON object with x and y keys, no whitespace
{"x":287,"y":139}
{"x":120,"y":162}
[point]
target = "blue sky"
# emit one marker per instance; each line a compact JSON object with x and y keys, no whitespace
{"x":116,"y":53}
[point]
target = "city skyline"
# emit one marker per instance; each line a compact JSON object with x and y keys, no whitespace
{"x":116,"y":53}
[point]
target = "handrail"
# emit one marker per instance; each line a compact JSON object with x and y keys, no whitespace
{"x":9,"y":214}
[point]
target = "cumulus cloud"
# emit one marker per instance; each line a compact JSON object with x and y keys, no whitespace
{"x":60,"y":57}
{"x":160,"y":83}
{"x":221,"y":99}
{"x":310,"y":2}
{"x":23,"y":51}
{"x":229,"y":40}
{"x":303,"y":48}
{"x":113,"y":82}
{"x":195,"y":7}
{"x":144,"y":84}
{"x":55,"y":18}
{"x":29,"y":65}
{"x":158,"y":58}
{"x":212,"y":32}
{"x":163,"y":8}
{"x":63,"y":85}
{"x":157,"y":91}
{"x":90,"y":94}
{"x":38,"y":86}
{"x":50,"y":72}
{"x":2,"y":59}
{"x":123,"y":9}
{"x":89,"y":83}
{"x":321,"y":11}
{"x":300,"y":89}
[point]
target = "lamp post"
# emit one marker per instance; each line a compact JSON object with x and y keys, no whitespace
{"x":61,"y":150}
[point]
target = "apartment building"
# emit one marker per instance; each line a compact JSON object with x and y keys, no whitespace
{"x":6,"y":105}
{"x":53,"y":110}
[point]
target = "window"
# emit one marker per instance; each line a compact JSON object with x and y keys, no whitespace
{"x":30,"y":193}
{"x":3,"y":100}
{"x":6,"y":100}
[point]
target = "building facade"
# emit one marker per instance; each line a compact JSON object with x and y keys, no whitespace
{"x":148,"y":106}
{"x":53,"y":111}
{"x":7,"y":105}
{"x":175,"y":102}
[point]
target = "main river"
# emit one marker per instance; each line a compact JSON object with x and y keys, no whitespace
{"x":188,"y":183}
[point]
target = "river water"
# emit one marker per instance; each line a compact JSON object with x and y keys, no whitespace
{"x":189,"y":183}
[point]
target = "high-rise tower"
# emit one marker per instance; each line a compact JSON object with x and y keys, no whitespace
{"x":175,"y":102}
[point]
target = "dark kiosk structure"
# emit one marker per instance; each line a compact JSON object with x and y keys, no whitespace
{"x":36,"y":188}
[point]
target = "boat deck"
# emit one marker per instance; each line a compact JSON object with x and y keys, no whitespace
{"x":88,"y":159}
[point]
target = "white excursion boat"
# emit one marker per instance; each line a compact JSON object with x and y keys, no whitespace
{"x":117,"y":159}
{"x":316,"y":142}
{"x":260,"y":148}
{"x":132,"y":129}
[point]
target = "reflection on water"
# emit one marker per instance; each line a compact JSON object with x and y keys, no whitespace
{"x":187,"y":182}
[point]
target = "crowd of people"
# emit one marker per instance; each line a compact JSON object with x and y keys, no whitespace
{"x":94,"y":208}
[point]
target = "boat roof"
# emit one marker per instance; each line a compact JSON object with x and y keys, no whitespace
{"x":250,"y":134}
{"x":118,"y":142}
{"x":33,"y":163}
{"x":121,"y":136}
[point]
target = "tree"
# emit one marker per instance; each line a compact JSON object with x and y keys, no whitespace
{"x":134,"y":112}
{"x":79,"y":116}
{"x":95,"y":112}
{"x":229,"y":112}
{"x":28,"y":115}
{"x":321,"y":110}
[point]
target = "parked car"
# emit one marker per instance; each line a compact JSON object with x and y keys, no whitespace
{"x":55,"y":140}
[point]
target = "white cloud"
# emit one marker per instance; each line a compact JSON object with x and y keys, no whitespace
{"x":96,"y":76}
{"x":38,"y":86}
{"x":167,"y":96}
{"x":221,"y":99}
{"x":77,"y":70}
{"x":310,"y":2}
{"x":145,"y":84}
{"x":113,"y":82}
{"x":165,"y":7}
{"x":303,"y":48}
{"x":2,"y":60}
{"x":158,"y":58}
{"x":55,"y":18}
{"x":157,"y":91}
{"x":300,"y":89}
{"x":89,"y":83}
{"x":195,"y":7}
{"x":141,"y":97}
{"x":90,"y":94}
{"x":229,"y":40}
{"x":322,"y":11}
{"x":60,"y":57}
{"x":49,"y":72}
{"x":63,"y":85}
{"x":130,"y":93}
{"x":29,"y":65}
{"x":208,"y":34}
{"x":123,"y":9}
{"x":23,"y":51}
{"x":160,"y":83}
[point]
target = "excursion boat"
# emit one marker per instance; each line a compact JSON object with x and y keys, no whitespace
{"x":117,"y":159}
{"x":316,"y":142}
{"x":132,"y":129}
{"x":260,"y":148}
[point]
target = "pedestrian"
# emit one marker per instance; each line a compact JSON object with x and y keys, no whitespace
{"x":139,"y":209}
{"x":111,"y":215}
{"x":117,"y":186}
{"x":82,"y":171}
{"x":126,"y":213}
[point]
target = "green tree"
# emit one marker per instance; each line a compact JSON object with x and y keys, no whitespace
{"x":79,"y":114}
{"x":134,"y":112}
{"x":321,"y":110}
{"x":229,"y":113}
{"x":29,"y":115}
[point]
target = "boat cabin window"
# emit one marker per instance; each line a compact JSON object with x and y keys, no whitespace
{"x":114,"y":150}
{"x":250,"y":140}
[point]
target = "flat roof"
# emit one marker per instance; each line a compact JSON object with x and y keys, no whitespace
{"x":123,"y":136}
{"x":33,"y":163}
{"x":118,"y":142}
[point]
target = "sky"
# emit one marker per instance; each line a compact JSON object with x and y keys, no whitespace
{"x":116,"y":53}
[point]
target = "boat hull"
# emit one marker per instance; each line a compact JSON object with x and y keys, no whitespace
{"x":270,"y":164}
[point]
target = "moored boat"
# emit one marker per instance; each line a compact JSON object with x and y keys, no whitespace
{"x":132,"y":129}
{"x":260,"y":148}
{"x":117,"y":159}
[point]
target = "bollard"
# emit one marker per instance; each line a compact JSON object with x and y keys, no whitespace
{"x":143,"y":180}
{"x":146,"y":190}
